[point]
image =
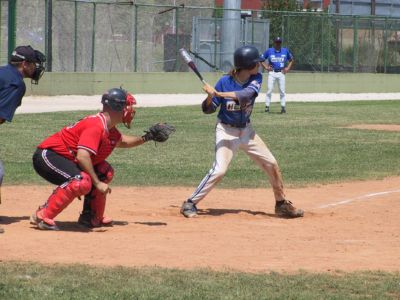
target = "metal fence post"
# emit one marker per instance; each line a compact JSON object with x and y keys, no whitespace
{"x":355,"y":44}
{"x":177,"y":38}
{"x":215,"y":40}
{"x":136,"y":37}
{"x":385,"y":50}
{"x":76,"y":37}
{"x":12,"y":20}
{"x":328,"y":38}
{"x":93,"y":35}
{"x":322,"y":43}
{"x":340,"y":37}
{"x":48,"y":41}
{"x":252,"y":28}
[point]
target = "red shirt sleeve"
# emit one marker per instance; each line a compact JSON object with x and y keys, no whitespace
{"x":90,"y":139}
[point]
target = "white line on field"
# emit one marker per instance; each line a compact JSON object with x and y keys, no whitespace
{"x":359,"y":198}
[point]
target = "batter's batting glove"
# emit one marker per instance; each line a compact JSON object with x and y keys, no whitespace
{"x":159,"y":132}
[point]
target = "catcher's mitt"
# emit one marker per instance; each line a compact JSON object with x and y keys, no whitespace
{"x":159,"y":132}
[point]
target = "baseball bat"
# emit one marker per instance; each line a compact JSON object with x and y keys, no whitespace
{"x":188,"y":59}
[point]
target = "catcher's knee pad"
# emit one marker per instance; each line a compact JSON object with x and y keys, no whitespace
{"x":80,"y":185}
{"x":105,"y":171}
{"x":64,"y":195}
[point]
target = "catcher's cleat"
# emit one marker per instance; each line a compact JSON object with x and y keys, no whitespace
{"x":43,"y":224}
{"x":87,"y":219}
{"x":286,"y":209}
{"x":267,"y":109}
{"x":104,"y":222}
{"x":283,"y":110}
{"x":189,"y":209}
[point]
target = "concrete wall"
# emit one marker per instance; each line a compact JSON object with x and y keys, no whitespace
{"x":187,"y":83}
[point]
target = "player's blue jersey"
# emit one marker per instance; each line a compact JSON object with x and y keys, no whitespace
{"x":278,"y":59}
{"x":12,"y":89}
{"x":237,"y":113}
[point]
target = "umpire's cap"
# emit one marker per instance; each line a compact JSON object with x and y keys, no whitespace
{"x":246,"y":57}
{"x":27,"y":53}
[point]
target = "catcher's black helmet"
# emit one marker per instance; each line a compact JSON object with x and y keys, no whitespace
{"x":246,"y":57}
{"x":115,"y":98}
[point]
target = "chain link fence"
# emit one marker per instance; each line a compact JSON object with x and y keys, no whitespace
{"x":125,"y":36}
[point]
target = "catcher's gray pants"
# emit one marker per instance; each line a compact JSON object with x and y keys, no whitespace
{"x":227,"y":142}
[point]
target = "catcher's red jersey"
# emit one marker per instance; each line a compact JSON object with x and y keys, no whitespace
{"x":90,"y":133}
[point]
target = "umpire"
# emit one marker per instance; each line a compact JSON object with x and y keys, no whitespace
{"x":25,"y":62}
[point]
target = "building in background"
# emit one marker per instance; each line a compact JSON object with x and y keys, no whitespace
{"x":246,"y":4}
{"x":387,"y":8}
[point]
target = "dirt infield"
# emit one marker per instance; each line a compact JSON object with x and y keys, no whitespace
{"x":382,"y":127}
{"x":349,"y":226}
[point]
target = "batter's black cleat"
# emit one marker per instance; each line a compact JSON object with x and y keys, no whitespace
{"x":267,"y":109}
{"x":1,"y":230}
{"x":283,"y":110}
{"x":189,"y":209}
{"x":285,"y":209}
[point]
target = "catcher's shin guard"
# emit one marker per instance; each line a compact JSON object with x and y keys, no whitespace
{"x":61,"y":198}
{"x":98,"y":206}
{"x":95,"y":202}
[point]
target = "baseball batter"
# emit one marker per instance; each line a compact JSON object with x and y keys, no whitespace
{"x":235,"y":94}
{"x":25,"y":62}
{"x":75,"y":160}
{"x":278,"y":62}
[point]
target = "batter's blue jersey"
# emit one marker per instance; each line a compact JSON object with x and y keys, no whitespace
{"x":237,"y":113}
{"x":12,"y":89}
{"x":278,"y":59}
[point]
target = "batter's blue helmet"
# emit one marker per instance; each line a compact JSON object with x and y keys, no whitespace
{"x":246,"y":57}
{"x":278,"y":39}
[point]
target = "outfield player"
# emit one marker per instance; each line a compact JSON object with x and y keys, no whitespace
{"x":235,"y":94}
{"x":75,"y":159}
{"x":278,"y":62}
{"x":25,"y":62}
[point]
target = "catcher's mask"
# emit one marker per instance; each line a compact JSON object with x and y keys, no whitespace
{"x":120,"y":100}
{"x":39,"y":66}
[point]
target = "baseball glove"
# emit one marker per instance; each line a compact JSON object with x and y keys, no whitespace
{"x":159,"y":132}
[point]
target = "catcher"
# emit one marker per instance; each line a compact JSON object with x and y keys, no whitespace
{"x":75,"y":159}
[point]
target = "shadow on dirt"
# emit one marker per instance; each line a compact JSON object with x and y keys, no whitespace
{"x":151,"y":223}
{"x":222,"y":211}
{"x":72,"y":226}
{"x":10,"y":220}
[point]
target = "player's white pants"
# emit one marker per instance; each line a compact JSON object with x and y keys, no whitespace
{"x":272,"y":77}
{"x":228,"y":141}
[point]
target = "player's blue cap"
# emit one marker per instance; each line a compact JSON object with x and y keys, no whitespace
{"x":278,"y":39}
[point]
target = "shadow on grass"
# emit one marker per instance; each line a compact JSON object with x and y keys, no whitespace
{"x":222,"y":211}
{"x":10,"y":220}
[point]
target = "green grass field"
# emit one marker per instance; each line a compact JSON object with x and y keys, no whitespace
{"x":308,"y":142}
{"x":310,"y":147}
{"x":34,"y":281}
